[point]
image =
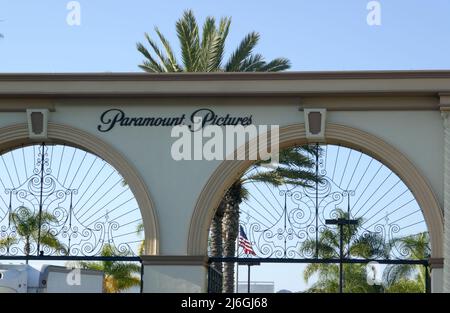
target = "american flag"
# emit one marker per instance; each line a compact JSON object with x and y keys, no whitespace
{"x":244,"y":242}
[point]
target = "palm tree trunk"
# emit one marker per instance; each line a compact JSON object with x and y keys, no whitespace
{"x":231,"y":229}
{"x":215,"y":244}
{"x":27,"y":248}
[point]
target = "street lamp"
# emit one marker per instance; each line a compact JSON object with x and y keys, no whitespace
{"x":341,"y":222}
{"x":248,"y":273}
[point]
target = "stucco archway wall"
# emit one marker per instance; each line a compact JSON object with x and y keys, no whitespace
{"x":229,"y":171}
{"x":15,"y":135}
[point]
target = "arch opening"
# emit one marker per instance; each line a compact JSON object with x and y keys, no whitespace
{"x":290,"y":221}
{"x":112,"y":209}
{"x":352,"y":138}
{"x":61,"y":200}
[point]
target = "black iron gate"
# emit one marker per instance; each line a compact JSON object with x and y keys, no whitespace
{"x":59,"y":203}
{"x":215,"y":277}
{"x":214,"y":280}
{"x":356,"y":201}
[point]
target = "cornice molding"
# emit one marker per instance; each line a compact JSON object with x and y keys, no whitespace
{"x":218,"y":76}
{"x":285,"y":84}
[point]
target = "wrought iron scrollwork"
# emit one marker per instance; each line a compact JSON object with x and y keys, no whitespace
{"x":63,"y":220}
{"x":290,"y":222}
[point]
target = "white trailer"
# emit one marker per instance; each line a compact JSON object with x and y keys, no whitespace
{"x":23,"y":278}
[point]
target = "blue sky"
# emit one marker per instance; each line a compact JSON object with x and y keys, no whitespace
{"x":314,"y":35}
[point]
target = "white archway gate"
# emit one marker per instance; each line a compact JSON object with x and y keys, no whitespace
{"x":392,"y":116}
{"x":63,"y":203}
{"x":294,"y":135}
{"x":17,"y":135}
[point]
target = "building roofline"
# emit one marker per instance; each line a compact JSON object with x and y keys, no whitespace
{"x":168,"y":85}
{"x":226,"y":76}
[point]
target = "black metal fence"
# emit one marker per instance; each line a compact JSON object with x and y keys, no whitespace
{"x":358,"y":211}
{"x":214,"y":280}
{"x":215,"y":277}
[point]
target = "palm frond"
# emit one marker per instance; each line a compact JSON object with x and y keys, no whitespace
{"x":396,"y":272}
{"x":7,"y":242}
{"x":164,"y":62}
{"x":172,"y":63}
{"x":406,"y":286}
{"x":125,"y":268}
{"x":297,"y":177}
{"x":416,"y":245}
{"x":325,"y":247}
{"x":47,"y":218}
{"x":97,"y":266}
{"x":149,"y":65}
{"x":276,"y":65}
{"x":242,"y":52}
{"x":298,"y":157}
{"x":140,"y":228}
{"x":244,"y":193}
{"x":370,"y":245}
{"x":128,"y":282}
{"x":253,"y":63}
{"x":218,"y":45}
{"x":208,"y":36}
{"x":52,"y":241}
{"x":310,"y":270}
{"x":271,"y":177}
{"x":187,"y":31}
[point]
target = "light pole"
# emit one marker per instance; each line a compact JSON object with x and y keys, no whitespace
{"x":341,"y":222}
{"x":249,"y":264}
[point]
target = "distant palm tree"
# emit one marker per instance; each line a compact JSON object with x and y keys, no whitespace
{"x":7,"y":242}
{"x":28,"y":225}
{"x":407,"y":277}
{"x":366,"y":246}
{"x":119,"y":276}
{"x":139,"y":231}
{"x":355,"y":279}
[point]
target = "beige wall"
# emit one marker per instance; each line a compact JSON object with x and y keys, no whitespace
{"x":173,"y":278}
{"x":401,"y":108}
{"x":175,"y":186}
{"x":417,"y":134}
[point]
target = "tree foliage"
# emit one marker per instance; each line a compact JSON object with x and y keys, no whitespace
{"x":203,"y":50}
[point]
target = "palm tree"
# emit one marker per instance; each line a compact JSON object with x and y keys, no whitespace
{"x":404,"y":277}
{"x":215,"y":233}
{"x":355,"y":279}
{"x":7,"y":242}
{"x":139,"y":231}
{"x":119,"y":276}
{"x":366,"y":246}
{"x":28,"y":225}
{"x":295,"y":168}
{"x":205,"y":52}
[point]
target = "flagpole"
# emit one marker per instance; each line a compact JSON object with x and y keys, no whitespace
{"x":248,"y":279}
{"x":237,"y":265}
